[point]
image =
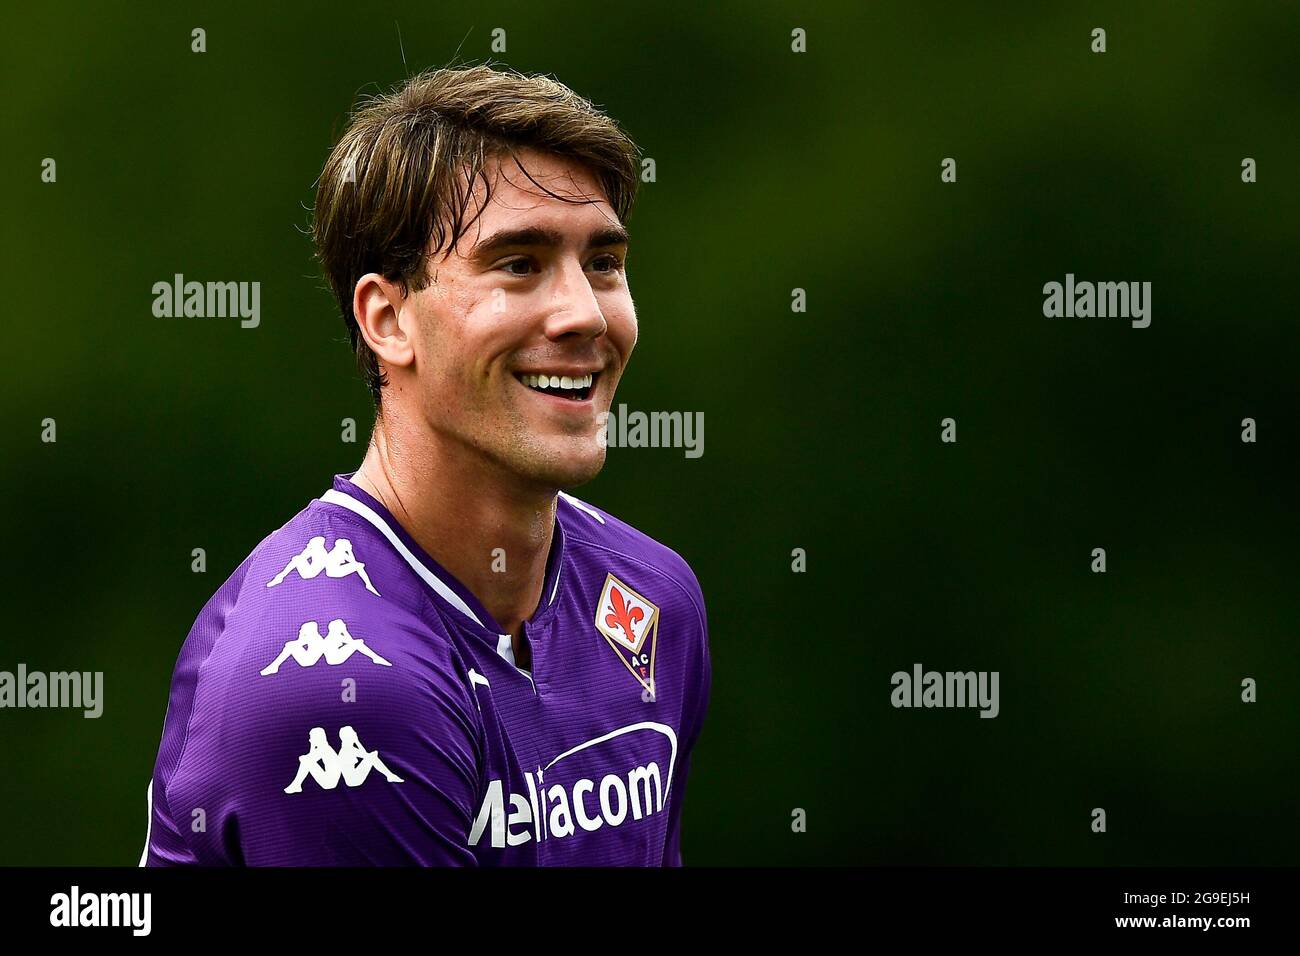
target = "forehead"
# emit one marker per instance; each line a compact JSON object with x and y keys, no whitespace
{"x":534,"y":188}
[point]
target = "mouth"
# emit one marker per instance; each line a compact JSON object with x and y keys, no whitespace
{"x":573,"y":388}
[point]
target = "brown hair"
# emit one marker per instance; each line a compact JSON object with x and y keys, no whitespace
{"x":402,"y":172}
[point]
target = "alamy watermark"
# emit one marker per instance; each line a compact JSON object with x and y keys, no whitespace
{"x":208,"y":300}
{"x":947,"y":689}
{"x":1102,"y":300}
{"x":75,"y":908}
{"x":38,"y":689}
{"x":624,"y":429}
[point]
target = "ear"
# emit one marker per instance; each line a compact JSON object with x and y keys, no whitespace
{"x":377,"y":307}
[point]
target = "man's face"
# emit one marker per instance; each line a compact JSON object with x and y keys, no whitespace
{"x":534,"y":296}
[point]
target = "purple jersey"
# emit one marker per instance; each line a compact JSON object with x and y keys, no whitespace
{"x":342,"y":700}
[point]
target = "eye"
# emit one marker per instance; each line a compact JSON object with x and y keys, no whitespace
{"x":510,"y":267}
{"x":611,"y":262}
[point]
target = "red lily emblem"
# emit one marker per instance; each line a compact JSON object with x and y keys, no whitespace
{"x":622,"y":616}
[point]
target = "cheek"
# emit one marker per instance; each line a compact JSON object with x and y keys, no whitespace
{"x":621,"y":319}
{"x":451,"y":335}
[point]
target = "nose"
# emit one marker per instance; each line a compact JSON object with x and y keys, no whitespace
{"x":575,"y":308}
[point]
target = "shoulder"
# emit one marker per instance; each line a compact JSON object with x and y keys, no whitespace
{"x":321,"y":626}
{"x":315,"y":660}
{"x":329,"y":551}
{"x":323,"y":565}
{"x":604,"y":538}
{"x":612,"y":558}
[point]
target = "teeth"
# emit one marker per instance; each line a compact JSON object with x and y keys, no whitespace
{"x":557,"y":381}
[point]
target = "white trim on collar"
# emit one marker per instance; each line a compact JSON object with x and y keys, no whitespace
{"x":335,"y":497}
{"x":554,"y":588}
{"x":582,"y":506}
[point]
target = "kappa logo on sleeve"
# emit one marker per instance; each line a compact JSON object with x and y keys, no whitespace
{"x":629,"y":622}
{"x":337,"y":562}
{"x":309,"y":647}
{"x":351,"y":763}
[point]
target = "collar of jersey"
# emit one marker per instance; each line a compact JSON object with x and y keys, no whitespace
{"x":445,"y":588}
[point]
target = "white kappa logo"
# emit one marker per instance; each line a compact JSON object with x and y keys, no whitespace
{"x":351,"y":762}
{"x":337,"y":562}
{"x":309,"y":647}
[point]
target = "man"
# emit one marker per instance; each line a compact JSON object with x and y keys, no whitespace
{"x":533,"y":673}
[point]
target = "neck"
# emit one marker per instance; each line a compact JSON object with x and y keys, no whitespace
{"x":488,"y":530}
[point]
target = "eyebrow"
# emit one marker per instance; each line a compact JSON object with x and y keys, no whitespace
{"x":539,"y":236}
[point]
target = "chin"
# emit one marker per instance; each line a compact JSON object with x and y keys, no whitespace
{"x":566,"y":467}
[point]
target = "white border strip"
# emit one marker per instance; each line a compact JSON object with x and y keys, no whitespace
{"x":582,"y":506}
{"x":555,"y":588}
{"x":148,"y":827}
{"x":335,"y":497}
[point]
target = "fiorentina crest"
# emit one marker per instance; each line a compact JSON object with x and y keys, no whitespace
{"x":630,"y":624}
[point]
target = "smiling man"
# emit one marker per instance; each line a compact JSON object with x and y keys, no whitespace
{"x":445,"y":659}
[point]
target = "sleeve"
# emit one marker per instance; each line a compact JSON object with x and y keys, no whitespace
{"x":355,"y":764}
{"x":673,"y":847}
{"x":700,"y":706}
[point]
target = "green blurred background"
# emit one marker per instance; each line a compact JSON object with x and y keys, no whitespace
{"x":775,"y":170}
